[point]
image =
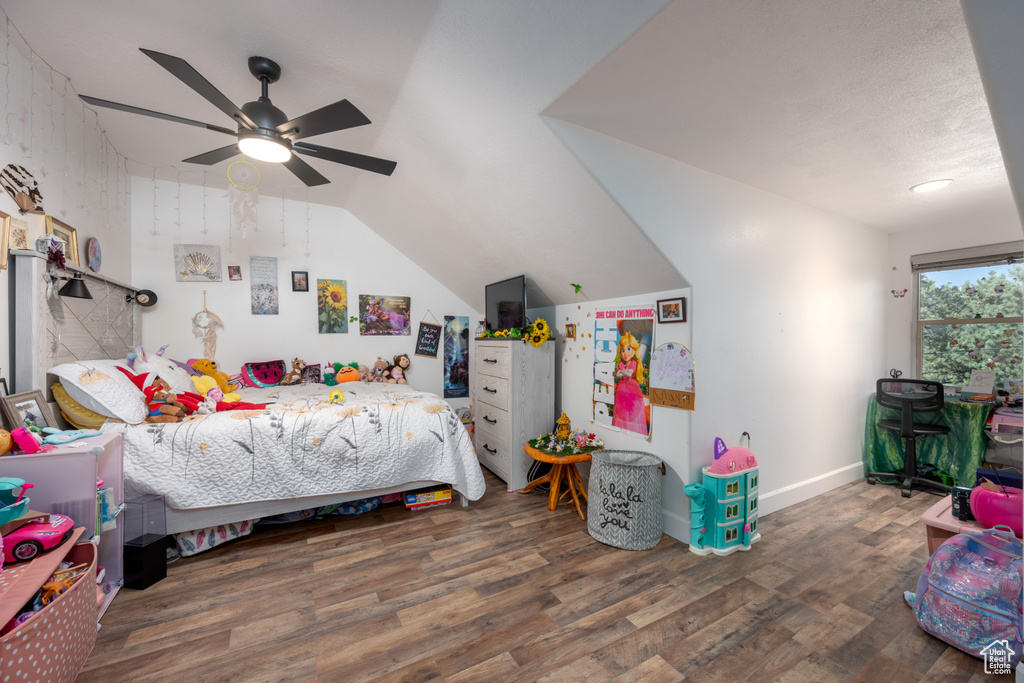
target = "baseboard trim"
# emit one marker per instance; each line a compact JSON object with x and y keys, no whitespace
{"x":809,"y":488}
{"x":676,"y":526}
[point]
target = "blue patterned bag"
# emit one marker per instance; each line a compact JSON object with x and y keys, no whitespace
{"x":970,"y":592}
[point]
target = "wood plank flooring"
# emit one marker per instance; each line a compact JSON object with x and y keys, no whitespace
{"x":505,"y":590}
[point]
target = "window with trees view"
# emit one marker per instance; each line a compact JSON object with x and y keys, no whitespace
{"x":970,"y":319}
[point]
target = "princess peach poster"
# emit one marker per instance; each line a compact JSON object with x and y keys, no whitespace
{"x":623,"y":338}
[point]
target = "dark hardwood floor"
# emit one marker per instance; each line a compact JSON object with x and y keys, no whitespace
{"x":506,"y":591}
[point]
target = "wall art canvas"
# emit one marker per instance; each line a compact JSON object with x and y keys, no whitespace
{"x":428,"y":338}
{"x":456,"y":356}
{"x":19,"y":233}
{"x":623,"y":339}
{"x":672,"y":382}
{"x":384,"y":315}
{"x":197,"y":263}
{"x":332,"y":306}
{"x":263,"y":285}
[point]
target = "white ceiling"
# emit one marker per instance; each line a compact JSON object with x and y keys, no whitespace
{"x":839,"y":105}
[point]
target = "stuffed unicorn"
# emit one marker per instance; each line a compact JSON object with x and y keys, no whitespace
{"x":143,"y":363}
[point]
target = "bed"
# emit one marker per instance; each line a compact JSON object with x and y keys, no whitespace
{"x":299,"y":452}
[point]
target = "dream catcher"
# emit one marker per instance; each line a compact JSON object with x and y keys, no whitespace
{"x":205,"y":324}
{"x":23,"y":188}
{"x":244,"y":178}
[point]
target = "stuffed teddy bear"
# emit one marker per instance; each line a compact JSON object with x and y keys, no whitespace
{"x":377,"y":373}
{"x":209,"y":368}
{"x":163,"y":405}
{"x":295,"y":376}
{"x":396,"y":373}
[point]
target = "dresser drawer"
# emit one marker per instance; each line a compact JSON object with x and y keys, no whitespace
{"x":492,"y":452}
{"x":493,"y":420}
{"x":492,"y":390}
{"x":492,"y":360}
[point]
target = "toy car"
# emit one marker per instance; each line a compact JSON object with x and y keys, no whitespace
{"x":37,"y":536}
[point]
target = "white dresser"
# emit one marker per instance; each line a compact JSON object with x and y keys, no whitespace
{"x":514,"y":390}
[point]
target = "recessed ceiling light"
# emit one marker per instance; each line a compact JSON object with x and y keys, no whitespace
{"x":931,"y":185}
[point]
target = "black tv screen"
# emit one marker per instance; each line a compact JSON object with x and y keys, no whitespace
{"x":506,"y":304}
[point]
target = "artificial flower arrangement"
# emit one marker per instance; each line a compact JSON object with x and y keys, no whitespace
{"x":536,"y":333}
{"x":577,"y":442}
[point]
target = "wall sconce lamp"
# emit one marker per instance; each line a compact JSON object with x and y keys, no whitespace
{"x":74,"y":287}
{"x":143,"y":297}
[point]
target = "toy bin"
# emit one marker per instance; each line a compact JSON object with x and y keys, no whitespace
{"x":624,"y":508}
{"x":54,"y":644}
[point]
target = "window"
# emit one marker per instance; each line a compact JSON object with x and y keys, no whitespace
{"x":753,"y":482}
{"x":969,"y":306}
{"x":753,"y":503}
{"x":732,"y":511}
{"x":732,"y":487}
{"x":731,"y":534}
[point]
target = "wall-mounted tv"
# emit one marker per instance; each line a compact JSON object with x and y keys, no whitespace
{"x":506,"y":304}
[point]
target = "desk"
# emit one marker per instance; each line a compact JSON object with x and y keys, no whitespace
{"x":958,"y":453}
{"x":563,"y":468}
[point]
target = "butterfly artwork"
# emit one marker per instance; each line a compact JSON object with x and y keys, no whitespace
{"x":897,"y":294}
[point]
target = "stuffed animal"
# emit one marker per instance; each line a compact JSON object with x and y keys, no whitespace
{"x":163,"y":405}
{"x":149,"y":363}
{"x":396,"y":372}
{"x":209,"y":368}
{"x":364,"y":372}
{"x":295,"y":376}
{"x":377,"y":373}
{"x":207,"y":386}
{"x":347,"y":373}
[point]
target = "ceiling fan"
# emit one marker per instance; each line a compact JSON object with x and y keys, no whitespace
{"x":264,"y":132}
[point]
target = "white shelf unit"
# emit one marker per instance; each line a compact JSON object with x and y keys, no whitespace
{"x":65,"y":483}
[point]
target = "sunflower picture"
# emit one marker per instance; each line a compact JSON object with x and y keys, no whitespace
{"x":332,"y":306}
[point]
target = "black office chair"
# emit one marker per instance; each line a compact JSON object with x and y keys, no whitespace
{"x":915,"y":396}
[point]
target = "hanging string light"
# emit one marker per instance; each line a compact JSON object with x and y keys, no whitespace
{"x":203,"y":231}
{"x":155,"y":231}
{"x":177,"y":197}
{"x":27,"y":151}
{"x":9,"y":135}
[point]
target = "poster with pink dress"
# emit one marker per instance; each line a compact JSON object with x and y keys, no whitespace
{"x":623,"y":339}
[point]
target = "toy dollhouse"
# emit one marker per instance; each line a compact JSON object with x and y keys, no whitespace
{"x":723,"y":509}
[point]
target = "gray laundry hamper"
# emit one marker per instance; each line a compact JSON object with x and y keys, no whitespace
{"x":624,"y":508}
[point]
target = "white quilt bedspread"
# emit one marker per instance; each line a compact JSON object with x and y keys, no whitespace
{"x":382,"y":435}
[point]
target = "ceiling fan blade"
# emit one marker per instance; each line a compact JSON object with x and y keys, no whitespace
{"x":193,"y":79}
{"x":305,"y":172}
{"x":96,"y":102}
{"x":382,"y":166}
{"x":338,"y":116}
{"x":214,"y":157}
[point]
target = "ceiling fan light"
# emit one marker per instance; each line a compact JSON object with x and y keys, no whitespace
{"x":263,"y":149}
{"x":932,"y":185}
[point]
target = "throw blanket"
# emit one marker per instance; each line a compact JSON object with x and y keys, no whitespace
{"x":382,"y":435}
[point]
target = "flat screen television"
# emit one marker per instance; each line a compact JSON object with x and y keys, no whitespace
{"x":506,"y":303}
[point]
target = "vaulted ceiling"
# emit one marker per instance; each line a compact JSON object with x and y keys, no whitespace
{"x":839,"y":105}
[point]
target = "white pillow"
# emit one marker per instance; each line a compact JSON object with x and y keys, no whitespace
{"x":101,"y":387}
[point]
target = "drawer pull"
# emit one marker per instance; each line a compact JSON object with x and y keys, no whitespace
{"x":490,"y":391}
{"x":490,"y":450}
{"x":487,"y":419}
{"x":490,"y":360}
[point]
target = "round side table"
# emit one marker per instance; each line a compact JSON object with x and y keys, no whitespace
{"x":563,"y":468}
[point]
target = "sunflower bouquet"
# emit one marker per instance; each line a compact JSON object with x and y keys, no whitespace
{"x":536,"y":333}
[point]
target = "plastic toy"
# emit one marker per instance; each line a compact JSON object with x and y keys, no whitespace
{"x":28,"y":540}
{"x":58,"y":436}
{"x":723,"y":509}
{"x":13,"y":503}
{"x":28,"y":439}
{"x":295,"y":376}
{"x":1003,"y":506}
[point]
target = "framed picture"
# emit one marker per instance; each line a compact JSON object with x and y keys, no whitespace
{"x":672,"y":310}
{"x":19,"y":233}
{"x":5,"y":245}
{"x":31,"y":405}
{"x":427,"y":340}
{"x":570,"y":331}
{"x":234,"y":272}
{"x":300,"y":281}
{"x":66,"y":233}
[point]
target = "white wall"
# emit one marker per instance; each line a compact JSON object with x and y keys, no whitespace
{"x":47,"y":130}
{"x":670,"y":428}
{"x":978,"y":230}
{"x":787,"y":314}
{"x":340,"y":247}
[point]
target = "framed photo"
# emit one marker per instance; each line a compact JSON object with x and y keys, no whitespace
{"x":19,"y":233}
{"x":300,"y":281}
{"x":30,"y":405}
{"x":672,"y":310}
{"x":5,"y":244}
{"x":66,"y":233}
{"x":234,"y":272}
{"x":570,"y":331}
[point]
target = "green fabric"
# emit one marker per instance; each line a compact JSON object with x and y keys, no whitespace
{"x":958,"y":454}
